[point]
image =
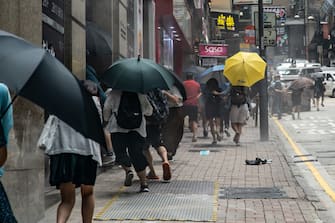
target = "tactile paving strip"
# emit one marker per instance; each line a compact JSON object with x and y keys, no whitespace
{"x":175,"y":201}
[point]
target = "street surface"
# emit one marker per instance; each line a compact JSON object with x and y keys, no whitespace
{"x":314,"y":149}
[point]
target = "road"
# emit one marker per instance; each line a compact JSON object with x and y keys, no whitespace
{"x":312,"y":149}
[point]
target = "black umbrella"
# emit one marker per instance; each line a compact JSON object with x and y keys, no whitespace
{"x":33,"y":73}
{"x":98,"y":42}
{"x":99,"y":47}
{"x":137,"y":75}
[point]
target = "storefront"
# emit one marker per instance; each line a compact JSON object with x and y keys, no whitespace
{"x":173,"y":33}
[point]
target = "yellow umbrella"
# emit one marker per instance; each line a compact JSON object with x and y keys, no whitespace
{"x":244,"y":69}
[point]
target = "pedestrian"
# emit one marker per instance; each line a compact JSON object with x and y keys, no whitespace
{"x":74,"y":160}
{"x":296,"y":101}
{"x":239,"y":113}
{"x":6,"y":123}
{"x":107,"y":154}
{"x":128,"y":134}
{"x":225,"y":106}
{"x":159,"y":116}
{"x":173,"y":128}
{"x":191,"y":104}
{"x":213,"y":102}
{"x":277,"y":88}
{"x":319,"y":90}
{"x":202,"y":111}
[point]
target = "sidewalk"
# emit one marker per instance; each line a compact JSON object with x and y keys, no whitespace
{"x":209,"y":183}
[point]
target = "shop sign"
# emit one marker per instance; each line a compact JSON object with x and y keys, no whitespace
{"x":225,"y":21}
{"x":213,"y":50}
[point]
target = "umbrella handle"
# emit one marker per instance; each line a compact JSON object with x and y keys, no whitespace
{"x":3,"y":114}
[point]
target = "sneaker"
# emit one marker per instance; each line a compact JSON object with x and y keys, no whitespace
{"x":166,"y":171}
{"x":194,"y":139}
{"x":214,"y":142}
{"x":108,"y":160}
{"x":129,"y":178}
{"x":144,"y":188}
{"x":227,"y":133}
{"x":205,"y":133}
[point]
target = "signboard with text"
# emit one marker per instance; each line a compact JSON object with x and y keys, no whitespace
{"x":213,"y":50}
{"x":225,"y":21}
{"x":269,"y":24}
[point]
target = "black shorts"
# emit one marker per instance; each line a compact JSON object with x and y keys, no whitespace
{"x":192,"y":112}
{"x":72,"y":168}
{"x":154,"y":137}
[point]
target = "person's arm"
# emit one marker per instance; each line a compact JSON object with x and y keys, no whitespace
{"x":107,"y":110}
{"x":173,"y":98}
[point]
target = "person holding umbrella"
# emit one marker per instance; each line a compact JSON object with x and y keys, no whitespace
{"x":243,"y":70}
{"x":6,"y":123}
{"x":128,"y":142}
{"x":74,"y":160}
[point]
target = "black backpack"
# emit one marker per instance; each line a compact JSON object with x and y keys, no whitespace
{"x":237,"y":97}
{"x":159,"y":105}
{"x":129,"y":114}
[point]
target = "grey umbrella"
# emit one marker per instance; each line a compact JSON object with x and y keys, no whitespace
{"x":31,"y":72}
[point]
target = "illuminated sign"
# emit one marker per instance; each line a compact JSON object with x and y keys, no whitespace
{"x":213,"y":50}
{"x":225,"y":21}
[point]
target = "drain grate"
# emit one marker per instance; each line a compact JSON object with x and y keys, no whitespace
{"x":175,"y":201}
{"x":251,"y":193}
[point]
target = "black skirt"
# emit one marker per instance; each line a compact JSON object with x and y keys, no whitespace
{"x":74,"y":168}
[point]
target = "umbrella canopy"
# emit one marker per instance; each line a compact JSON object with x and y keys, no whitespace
{"x":34,"y":74}
{"x":99,"y":47}
{"x":98,"y":42}
{"x":300,"y":83}
{"x":212,"y":72}
{"x":244,"y":69}
{"x":194,"y":69}
{"x":137,"y":75}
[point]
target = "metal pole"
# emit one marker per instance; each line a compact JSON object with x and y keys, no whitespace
{"x":263,"y":91}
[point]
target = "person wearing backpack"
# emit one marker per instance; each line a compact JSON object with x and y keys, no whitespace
{"x":239,"y":113}
{"x":124,"y":117}
{"x":158,"y":117}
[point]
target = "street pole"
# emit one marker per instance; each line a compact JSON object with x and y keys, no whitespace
{"x":263,"y":91}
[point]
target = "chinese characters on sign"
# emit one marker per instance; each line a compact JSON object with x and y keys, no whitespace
{"x":226,"y":22}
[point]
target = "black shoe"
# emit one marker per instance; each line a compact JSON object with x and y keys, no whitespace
{"x":205,"y":133}
{"x":129,"y":178}
{"x":144,"y":188}
{"x":227,"y":133}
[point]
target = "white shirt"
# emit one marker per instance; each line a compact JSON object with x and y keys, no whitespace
{"x":111,"y":107}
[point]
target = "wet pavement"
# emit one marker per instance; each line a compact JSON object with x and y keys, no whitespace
{"x":210,"y":183}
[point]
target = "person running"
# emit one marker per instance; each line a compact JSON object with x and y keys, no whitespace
{"x":128,"y":135}
{"x":239,"y":113}
{"x":213,"y":101}
{"x":191,"y":104}
{"x":159,"y":116}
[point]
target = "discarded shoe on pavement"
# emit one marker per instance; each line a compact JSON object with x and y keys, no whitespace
{"x":258,"y":161}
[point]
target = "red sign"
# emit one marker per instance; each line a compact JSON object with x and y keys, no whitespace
{"x":213,"y":50}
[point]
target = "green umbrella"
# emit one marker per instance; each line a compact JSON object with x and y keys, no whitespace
{"x":137,"y":75}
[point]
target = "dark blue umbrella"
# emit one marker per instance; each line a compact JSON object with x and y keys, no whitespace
{"x":31,"y":72}
{"x":212,"y":72}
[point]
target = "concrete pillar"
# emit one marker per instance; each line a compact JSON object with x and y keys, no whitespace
{"x":75,"y":39}
{"x":24,"y":176}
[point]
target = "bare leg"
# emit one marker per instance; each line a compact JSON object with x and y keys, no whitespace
{"x":317,"y":104}
{"x":87,"y":206}
{"x":148,"y":156}
{"x":194,"y":130}
{"x":213,"y":130}
{"x":68,"y":199}
{"x":165,"y":165}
